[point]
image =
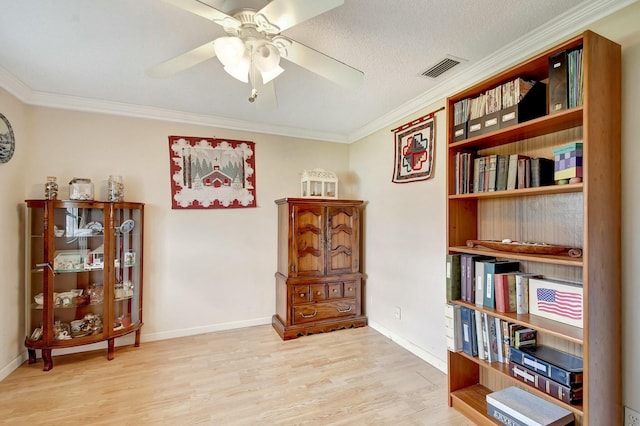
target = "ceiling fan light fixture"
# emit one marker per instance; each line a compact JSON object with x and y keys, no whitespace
{"x":267,"y":76}
{"x":266,"y":57}
{"x":239,"y":70}
{"x":229,"y":50}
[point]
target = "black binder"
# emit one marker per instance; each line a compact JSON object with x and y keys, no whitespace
{"x":558,"y":75}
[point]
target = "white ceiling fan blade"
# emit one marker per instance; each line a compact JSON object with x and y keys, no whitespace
{"x":287,"y":13}
{"x":206,"y":11}
{"x":182,"y":62}
{"x":323,"y":65}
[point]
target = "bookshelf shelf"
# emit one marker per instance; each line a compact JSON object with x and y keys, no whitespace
{"x":524,"y":192}
{"x":540,"y":258}
{"x":585,"y":215}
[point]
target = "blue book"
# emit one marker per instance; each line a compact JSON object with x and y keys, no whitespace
{"x":490,"y":269}
{"x":469,"y":343}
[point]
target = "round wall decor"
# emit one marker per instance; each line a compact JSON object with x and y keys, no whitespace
{"x":7,"y":140}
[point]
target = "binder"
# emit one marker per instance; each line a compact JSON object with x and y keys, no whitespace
{"x":558,"y":85}
{"x":555,"y":364}
{"x":490,"y":269}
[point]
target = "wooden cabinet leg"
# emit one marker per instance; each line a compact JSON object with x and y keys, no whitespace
{"x":137,"y":343}
{"x":110,"y":345}
{"x":32,"y":356}
{"x":47,"y":360}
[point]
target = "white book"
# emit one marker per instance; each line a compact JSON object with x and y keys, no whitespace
{"x":498,"y":332}
{"x":522,"y":292}
{"x":479,"y":283}
{"x":482,"y":351}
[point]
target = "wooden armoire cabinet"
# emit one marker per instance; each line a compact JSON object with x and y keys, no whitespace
{"x":318,"y":282}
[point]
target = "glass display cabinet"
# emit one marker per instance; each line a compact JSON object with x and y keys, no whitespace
{"x":84,"y":274}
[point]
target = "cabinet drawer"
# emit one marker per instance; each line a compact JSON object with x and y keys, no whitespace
{"x":318,"y":292}
{"x":313,"y":312}
{"x":300,"y":294}
{"x":349,"y":289}
{"x":334,"y":291}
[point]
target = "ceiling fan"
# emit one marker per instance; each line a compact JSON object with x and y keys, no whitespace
{"x":253,"y":47}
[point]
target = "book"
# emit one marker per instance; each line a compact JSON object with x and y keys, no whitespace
{"x":499,"y":340}
{"x":482,"y":348}
{"x":490,"y":269}
{"x":517,"y":407}
{"x":523,"y":172}
{"x":479,"y":278}
{"x":506,"y":339}
{"x":524,"y":337}
{"x":468,"y":278}
{"x":453,"y":276}
{"x":468,"y":328}
{"x":522,"y":291}
{"x":555,"y":364}
{"x":542,"y":170}
{"x":501,"y":173}
{"x":452,"y":324}
{"x":505,"y":292}
{"x":493,"y":168}
{"x":568,"y":394}
{"x":489,"y":327}
{"x":512,"y":170}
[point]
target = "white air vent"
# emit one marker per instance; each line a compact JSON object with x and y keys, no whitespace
{"x":441,"y":67}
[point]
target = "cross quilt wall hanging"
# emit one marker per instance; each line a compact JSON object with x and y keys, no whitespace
{"x":414,"y":144}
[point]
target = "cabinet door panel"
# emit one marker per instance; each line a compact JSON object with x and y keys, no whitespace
{"x":308,"y":250}
{"x":342,"y":235}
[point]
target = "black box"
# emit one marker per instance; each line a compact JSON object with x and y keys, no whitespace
{"x":460,"y":131}
{"x":532,"y":105}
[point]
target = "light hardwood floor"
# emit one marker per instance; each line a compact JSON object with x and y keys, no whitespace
{"x":238,"y":377}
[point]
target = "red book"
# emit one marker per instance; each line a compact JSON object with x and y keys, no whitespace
{"x":505,"y":289}
{"x":501,"y":291}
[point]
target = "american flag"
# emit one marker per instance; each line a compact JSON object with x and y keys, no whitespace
{"x":561,"y":303}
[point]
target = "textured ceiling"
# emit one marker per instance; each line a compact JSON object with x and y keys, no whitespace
{"x":95,"y":53}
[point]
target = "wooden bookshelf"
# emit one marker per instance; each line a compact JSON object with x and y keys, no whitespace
{"x":585,"y":215}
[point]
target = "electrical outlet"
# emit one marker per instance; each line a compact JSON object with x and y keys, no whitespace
{"x":631,"y":417}
{"x":398,"y":314}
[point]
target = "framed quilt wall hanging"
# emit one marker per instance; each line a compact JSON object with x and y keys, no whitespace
{"x":211,"y":173}
{"x":414,"y":145}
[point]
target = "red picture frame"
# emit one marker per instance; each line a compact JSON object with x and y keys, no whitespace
{"x":211,"y":173}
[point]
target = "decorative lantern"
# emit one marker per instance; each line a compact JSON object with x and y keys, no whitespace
{"x":319,"y":183}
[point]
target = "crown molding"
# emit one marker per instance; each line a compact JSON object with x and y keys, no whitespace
{"x":561,"y":27}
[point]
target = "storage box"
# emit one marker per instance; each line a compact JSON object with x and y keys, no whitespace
{"x":514,"y":406}
{"x":568,"y":161}
{"x":532,"y":105}
{"x":460,"y":131}
{"x":553,"y":363}
{"x":557,"y":300}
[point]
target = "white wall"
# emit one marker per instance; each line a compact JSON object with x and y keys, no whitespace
{"x":11,"y":237}
{"x":623,"y":28}
{"x":405,"y":242}
{"x":204,"y":270}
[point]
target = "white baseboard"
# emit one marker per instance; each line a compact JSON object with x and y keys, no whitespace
{"x":129,"y":339}
{"x":184,"y":332}
{"x":416,"y":350}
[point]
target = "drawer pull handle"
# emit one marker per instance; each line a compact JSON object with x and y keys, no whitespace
{"x":318,"y":293}
{"x":344,"y":310}
{"x":334,"y":290}
{"x":315,"y":312}
{"x":302,"y":295}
